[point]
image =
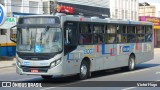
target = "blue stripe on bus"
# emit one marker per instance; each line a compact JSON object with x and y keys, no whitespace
{"x":104,"y":50}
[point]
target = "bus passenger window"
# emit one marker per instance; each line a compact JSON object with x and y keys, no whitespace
{"x":131,"y":38}
{"x":124,"y":38}
{"x":111,"y":29}
{"x":98,"y":29}
{"x":85,"y":39}
{"x":131,"y":30}
{"x":140,"y":38}
{"x":119,"y":38}
{"x":85,"y":28}
{"x":110,"y":38}
{"x":85,"y":34}
{"x":148,"y":34}
{"x":140,"y":29}
{"x":98,"y":39}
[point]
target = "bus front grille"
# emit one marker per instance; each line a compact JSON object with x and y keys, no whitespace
{"x":39,"y":69}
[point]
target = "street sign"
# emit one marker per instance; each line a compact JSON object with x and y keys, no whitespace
{"x":8,"y":23}
{"x":2,"y":14}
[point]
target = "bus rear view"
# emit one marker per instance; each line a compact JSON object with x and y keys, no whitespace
{"x":39,"y":46}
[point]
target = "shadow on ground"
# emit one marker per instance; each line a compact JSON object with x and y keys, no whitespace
{"x":72,"y":79}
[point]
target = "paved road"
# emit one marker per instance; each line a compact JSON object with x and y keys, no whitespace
{"x":149,"y":71}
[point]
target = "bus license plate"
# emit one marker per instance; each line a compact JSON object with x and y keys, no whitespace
{"x":34,"y":70}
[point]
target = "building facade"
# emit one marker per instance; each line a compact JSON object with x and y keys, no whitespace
{"x":117,"y":9}
{"x":124,"y":9}
{"x":150,"y":13}
{"x":145,"y":9}
{"x":14,"y":9}
{"x":23,"y":6}
{"x":99,"y":8}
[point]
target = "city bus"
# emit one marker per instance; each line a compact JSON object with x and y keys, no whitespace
{"x":63,"y":45}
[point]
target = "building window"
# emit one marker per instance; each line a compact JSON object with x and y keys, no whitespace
{"x":33,"y":7}
{"x":132,"y":15}
{"x":3,"y":31}
{"x":116,"y":13}
{"x":45,"y":8}
{"x":122,"y":14}
{"x":126,"y":14}
{"x":135,"y":15}
{"x":16,"y":6}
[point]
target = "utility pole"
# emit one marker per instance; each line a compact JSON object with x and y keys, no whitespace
{"x":55,"y":7}
{"x":144,"y":8}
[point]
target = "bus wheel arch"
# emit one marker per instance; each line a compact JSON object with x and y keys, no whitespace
{"x":85,"y":68}
{"x":133,"y":55}
{"x":131,"y":61}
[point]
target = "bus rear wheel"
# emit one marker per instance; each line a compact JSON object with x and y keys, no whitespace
{"x":84,"y":70}
{"x":46,"y":77}
{"x":131,"y":64}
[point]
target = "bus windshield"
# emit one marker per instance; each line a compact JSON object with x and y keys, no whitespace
{"x":39,"y":40}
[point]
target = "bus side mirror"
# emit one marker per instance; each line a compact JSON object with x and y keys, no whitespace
{"x":13,"y":33}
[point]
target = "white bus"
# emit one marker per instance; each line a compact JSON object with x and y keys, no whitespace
{"x":63,"y":45}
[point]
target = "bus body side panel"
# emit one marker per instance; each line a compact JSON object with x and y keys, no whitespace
{"x":105,"y":56}
{"x":148,"y":55}
{"x":138,"y":53}
{"x":113,"y":58}
{"x":143,"y":52}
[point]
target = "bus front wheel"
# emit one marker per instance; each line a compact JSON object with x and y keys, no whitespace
{"x":84,"y":70}
{"x":46,"y":77}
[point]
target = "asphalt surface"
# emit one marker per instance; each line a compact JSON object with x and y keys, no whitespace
{"x":149,"y":72}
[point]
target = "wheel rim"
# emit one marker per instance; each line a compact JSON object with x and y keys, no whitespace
{"x":83,"y":70}
{"x":132,"y":64}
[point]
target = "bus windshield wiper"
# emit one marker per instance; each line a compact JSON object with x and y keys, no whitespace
{"x":46,"y":29}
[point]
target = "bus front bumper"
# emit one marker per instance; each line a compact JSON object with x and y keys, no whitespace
{"x":56,"y":71}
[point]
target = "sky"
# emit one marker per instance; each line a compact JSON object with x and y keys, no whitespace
{"x":153,"y":2}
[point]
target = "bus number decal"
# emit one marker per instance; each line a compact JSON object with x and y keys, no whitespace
{"x":126,"y":49}
{"x":88,"y":51}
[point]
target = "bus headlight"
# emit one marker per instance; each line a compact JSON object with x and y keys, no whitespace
{"x":18,"y":63}
{"x":55,"y":63}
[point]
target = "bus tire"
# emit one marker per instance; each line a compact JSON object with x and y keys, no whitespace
{"x":46,"y":77}
{"x":131,"y":63}
{"x":84,"y":70}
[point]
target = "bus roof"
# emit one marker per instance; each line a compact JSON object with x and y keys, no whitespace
{"x":93,"y":19}
{"x":106,"y":20}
